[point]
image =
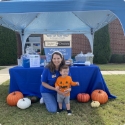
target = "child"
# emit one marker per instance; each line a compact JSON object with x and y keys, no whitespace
{"x":63,"y":83}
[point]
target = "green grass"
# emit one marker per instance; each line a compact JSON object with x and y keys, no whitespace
{"x":111,"y":113}
{"x":111,"y":67}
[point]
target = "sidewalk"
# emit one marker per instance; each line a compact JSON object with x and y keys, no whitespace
{"x":4,"y":73}
{"x":113,"y":72}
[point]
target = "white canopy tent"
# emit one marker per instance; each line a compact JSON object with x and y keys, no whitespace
{"x":60,"y":16}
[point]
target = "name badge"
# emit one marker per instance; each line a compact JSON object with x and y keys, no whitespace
{"x":53,"y":76}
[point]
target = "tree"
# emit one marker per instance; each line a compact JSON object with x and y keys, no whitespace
{"x":102,"y":51}
{"x":8,"y":47}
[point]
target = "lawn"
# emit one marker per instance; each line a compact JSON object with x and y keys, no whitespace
{"x":112,"y":67}
{"x":111,"y":113}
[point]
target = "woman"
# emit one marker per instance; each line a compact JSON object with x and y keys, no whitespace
{"x":48,"y":79}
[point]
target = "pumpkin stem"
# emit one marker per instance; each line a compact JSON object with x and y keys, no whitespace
{"x":99,"y":91}
{"x":14,"y":93}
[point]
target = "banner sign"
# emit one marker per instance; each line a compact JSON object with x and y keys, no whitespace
{"x":65,"y":51}
{"x":56,"y":37}
{"x":60,"y":43}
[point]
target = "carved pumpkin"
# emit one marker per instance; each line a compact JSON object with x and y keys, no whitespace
{"x":95,"y":104}
{"x":83,"y":97}
{"x":100,"y":96}
{"x":24,"y":103}
{"x":13,"y":98}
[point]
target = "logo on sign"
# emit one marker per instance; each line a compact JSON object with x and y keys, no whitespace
{"x":51,"y":43}
{"x":57,"y":43}
{"x":63,"y":43}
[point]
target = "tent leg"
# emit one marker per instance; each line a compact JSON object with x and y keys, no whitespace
{"x":23,"y":39}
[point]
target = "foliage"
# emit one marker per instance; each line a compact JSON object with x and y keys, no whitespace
{"x":123,"y":58}
{"x":8,"y":47}
{"x":102,"y":50}
{"x":117,"y":58}
{"x":111,"y":113}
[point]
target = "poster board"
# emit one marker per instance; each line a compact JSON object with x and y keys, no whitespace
{"x":34,"y":61}
{"x":60,"y":43}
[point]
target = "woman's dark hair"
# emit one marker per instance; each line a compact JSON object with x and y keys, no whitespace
{"x":51,"y":66}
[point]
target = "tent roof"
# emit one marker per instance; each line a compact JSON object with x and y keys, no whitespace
{"x":57,"y":22}
{"x":59,"y":16}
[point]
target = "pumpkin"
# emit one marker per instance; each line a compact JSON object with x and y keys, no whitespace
{"x":95,"y":104}
{"x":13,"y":98}
{"x":33,"y":98}
{"x":100,"y":96}
{"x":24,"y":103}
{"x":83,"y":97}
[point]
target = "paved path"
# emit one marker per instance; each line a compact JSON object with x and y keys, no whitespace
{"x":112,"y":72}
{"x":4,"y":73}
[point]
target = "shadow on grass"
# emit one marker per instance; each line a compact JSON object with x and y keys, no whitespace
{"x":83,"y":114}
{"x":87,"y":113}
{"x":111,"y":113}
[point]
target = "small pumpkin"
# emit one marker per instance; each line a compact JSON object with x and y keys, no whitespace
{"x":33,"y":99}
{"x":24,"y":103}
{"x":13,"y":98}
{"x":83,"y":97}
{"x":95,"y":104}
{"x":100,"y":96}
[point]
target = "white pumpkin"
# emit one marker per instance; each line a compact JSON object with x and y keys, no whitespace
{"x":95,"y":104}
{"x":23,"y":103}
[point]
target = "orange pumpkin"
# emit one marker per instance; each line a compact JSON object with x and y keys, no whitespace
{"x":100,"y":96}
{"x":13,"y":98}
{"x":83,"y":97}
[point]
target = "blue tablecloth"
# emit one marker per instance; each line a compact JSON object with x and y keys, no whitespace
{"x":28,"y":80}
